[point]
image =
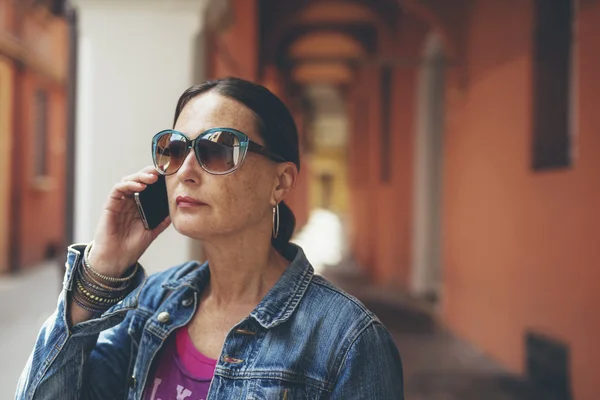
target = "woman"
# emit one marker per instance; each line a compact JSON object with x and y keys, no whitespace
{"x":251,"y":323}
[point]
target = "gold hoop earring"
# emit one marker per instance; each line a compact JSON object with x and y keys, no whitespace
{"x":275,"y":220}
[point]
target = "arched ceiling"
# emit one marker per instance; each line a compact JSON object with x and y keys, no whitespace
{"x":326,"y":73}
{"x":361,"y":33}
{"x":336,"y":11}
{"x":327,"y":45}
{"x":292,"y":11}
{"x":321,"y":40}
{"x":319,"y":45}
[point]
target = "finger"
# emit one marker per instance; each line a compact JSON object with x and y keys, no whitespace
{"x":126,"y":189}
{"x":142,"y":177}
{"x":147,"y":172}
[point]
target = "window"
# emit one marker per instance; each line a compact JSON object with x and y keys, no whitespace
{"x":385,"y":142}
{"x":41,"y":134}
{"x":552,"y":69}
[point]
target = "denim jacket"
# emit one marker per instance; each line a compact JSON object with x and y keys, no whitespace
{"x":305,"y":340}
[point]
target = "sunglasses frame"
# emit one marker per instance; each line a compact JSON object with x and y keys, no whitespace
{"x":245,"y":145}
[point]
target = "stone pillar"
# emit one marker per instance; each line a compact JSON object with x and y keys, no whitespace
{"x":134,"y":60}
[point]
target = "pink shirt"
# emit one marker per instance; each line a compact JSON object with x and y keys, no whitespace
{"x":181,"y":371}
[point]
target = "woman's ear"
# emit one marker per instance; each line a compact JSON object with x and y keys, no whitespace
{"x":287,"y":174}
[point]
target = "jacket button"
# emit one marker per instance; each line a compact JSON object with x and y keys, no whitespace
{"x":187,"y":302}
{"x":131,"y":381}
{"x":163,"y":317}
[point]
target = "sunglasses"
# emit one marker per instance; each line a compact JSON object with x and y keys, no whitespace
{"x":219,"y":151}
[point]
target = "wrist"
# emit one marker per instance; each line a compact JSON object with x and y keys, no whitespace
{"x":107,"y":266}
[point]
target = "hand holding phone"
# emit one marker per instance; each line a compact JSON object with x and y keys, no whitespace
{"x":121,"y":237}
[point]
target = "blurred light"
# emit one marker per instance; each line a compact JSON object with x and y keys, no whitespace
{"x":322,"y":239}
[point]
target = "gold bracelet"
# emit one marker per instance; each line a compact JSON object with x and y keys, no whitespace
{"x":85,"y":305}
{"x":82,"y":277}
{"x":98,"y":300}
{"x":90,"y":278}
{"x":87,"y":265}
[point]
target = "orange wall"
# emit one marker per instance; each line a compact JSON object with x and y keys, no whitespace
{"x":235,"y":51}
{"x":360,"y":169}
{"x":42,"y":216}
{"x":381,"y":212}
{"x":6,"y":111}
{"x":520,"y":247}
{"x":353,"y":223}
{"x":396,"y":219}
{"x":37,"y":217}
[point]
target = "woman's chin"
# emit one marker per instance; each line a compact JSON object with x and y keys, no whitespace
{"x":191,"y":228}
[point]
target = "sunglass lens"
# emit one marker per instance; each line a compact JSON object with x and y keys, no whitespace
{"x":169,"y":151}
{"x":219,"y":151}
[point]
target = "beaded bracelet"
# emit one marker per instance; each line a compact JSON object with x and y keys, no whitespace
{"x":93,"y":303}
{"x":93,"y":281}
{"x":95,"y":299}
{"x":95,"y":310}
{"x":86,"y":303}
{"x":99,"y":291}
{"x":88,"y":267}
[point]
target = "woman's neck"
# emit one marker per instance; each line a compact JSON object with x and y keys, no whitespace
{"x":242,"y":270}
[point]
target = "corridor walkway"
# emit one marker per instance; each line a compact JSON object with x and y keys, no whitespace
{"x":437,"y":365}
{"x":26,"y":301}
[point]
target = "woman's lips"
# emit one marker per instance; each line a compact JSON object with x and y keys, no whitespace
{"x":186,"y":201}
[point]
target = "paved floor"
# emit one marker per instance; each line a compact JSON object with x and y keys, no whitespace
{"x":26,"y":300}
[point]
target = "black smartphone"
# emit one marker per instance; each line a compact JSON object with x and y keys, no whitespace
{"x":153,"y":204}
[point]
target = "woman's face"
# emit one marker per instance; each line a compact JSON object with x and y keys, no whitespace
{"x":230,"y":203}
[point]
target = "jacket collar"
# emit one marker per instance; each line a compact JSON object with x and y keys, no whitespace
{"x":278,"y":304}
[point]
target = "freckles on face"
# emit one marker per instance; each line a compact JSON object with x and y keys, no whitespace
{"x":235,"y":201}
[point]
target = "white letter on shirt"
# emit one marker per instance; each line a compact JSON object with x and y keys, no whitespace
{"x":157,"y":382}
{"x":182,"y":393}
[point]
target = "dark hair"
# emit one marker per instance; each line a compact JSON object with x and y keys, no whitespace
{"x":275,"y":124}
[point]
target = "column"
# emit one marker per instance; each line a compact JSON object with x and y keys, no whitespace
{"x":134,"y":60}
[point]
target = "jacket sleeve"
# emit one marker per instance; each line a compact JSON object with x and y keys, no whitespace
{"x":371,"y":369}
{"x":62,"y":356}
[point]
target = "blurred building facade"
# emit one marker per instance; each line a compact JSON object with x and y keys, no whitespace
{"x":472,"y":156}
{"x":34,"y":61}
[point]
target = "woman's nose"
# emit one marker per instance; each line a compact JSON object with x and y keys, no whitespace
{"x":190,"y":170}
